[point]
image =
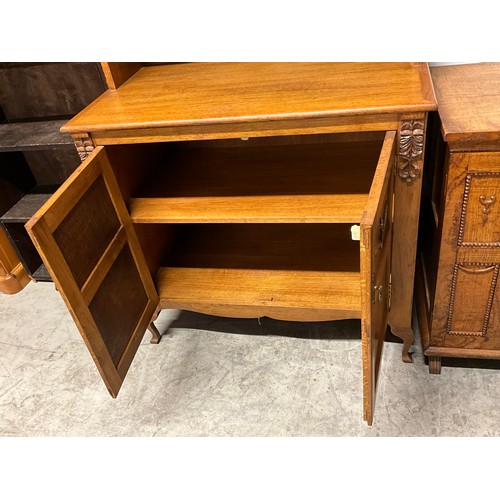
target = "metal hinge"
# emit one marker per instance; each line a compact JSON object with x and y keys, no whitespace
{"x":377,"y":291}
{"x":389,"y":293}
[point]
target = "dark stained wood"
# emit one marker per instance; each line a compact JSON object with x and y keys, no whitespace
{"x":36,"y":99}
{"x":24,"y":209}
{"x":24,"y":247}
{"x":48,"y":90}
{"x":33,"y":136}
{"x":16,"y":179}
{"x":42,"y":274}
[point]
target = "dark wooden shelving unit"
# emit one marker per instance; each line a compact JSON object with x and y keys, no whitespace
{"x":36,"y":100}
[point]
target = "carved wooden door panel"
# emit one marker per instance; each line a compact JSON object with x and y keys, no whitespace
{"x":376,"y":244}
{"x":467,"y":311}
{"x":86,"y":239}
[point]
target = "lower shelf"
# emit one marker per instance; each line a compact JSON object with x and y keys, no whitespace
{"x":284,"y":271}
{"x":42,"y":274}
{"x":292,"y":295}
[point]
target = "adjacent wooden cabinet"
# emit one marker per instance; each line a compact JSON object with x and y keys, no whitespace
{"x":459,"y":245}
{"x":246,"y":190}
{"x":36,"y":99}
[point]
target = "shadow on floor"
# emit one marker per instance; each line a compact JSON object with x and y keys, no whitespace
{"x":349,"y":329}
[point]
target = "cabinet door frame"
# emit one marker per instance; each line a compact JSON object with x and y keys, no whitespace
{"x":78,"y":297}
{"x":375,"y":254}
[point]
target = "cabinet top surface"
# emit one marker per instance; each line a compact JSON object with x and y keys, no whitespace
{"x":468,"y":96}
{"x":211,"y":93}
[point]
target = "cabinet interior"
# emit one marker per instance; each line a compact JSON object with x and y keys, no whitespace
{"x":231,"y":213}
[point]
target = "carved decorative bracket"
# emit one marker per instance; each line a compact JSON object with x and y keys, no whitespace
{"x":84,"y":145}
{"x":411,"y":146}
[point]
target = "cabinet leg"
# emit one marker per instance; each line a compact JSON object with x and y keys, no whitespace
{"x":155,"y":334}
{"x":435,"y":365}
{"x":407,"y":336}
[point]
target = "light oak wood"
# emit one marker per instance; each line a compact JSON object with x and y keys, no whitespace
{"x":13,"y":276}
{"x":270,"y":263}
{"x":235,"y":209}
{"x":375,"y":259}
{"x":469,"y":104}
{"x":117,"y":73}
{"x":457,"y":294}
{"x":260,"y":184}
{"x":106,"y":335}
{"x":275,"y":128}
{"x":406,"y":216}
{"x":280,"y":294}
{"x":212,"y":93}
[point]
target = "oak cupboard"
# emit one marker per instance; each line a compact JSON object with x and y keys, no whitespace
{"x":36,"y":99}
{"x":288,"y":190}
{"x":459,"y":260}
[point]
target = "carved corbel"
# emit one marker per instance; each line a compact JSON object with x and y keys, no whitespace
{"x":411,"y":147}
{"x":84,"y":145}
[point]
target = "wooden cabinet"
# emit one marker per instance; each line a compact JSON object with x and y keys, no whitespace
{"x":36,"y":99}
{"x":459,"y":257}
{"x":241,"y":190}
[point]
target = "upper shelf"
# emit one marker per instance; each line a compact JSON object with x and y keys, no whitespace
{"x":220,"y":93}
{"x":323,"y":182}
{"x":24,"y":136}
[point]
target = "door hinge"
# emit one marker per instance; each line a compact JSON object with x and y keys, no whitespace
{"x":389,"y":293}
{"x":377,"y":291}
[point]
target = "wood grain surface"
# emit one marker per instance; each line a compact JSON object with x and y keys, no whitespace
{"x":469,"y":104}
{"x":211,"y":93}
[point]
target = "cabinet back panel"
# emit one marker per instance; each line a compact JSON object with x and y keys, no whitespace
{"x":16,"y":179}
{"x":52,"y":166}
{"x":48,"y":89}
{"x":300,"y":247}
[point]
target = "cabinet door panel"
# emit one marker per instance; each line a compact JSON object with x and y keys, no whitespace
{"x":86,"y":239}
{"x":376,"y":243}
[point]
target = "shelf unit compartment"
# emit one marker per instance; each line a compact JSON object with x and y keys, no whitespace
{"x":313,"y":181}
{"x":48,"y":90}
{"x":33,"y":135}
{"x":286,"y":271}
{"x":27,"y":181}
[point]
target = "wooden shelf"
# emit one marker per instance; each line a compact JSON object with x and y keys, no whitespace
{"x":198,"y":94}
{"x":35,"y":135}
{"x":324,"y":182}
{"x":42,"y":274}
{"x":258,"y":269}
{"x":26,"y":207}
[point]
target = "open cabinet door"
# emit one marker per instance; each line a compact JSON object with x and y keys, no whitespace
{"x":86,"y":239}
{"x":376,"y":243}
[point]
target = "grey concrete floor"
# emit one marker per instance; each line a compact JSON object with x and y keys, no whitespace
{"x":213,"y":376}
